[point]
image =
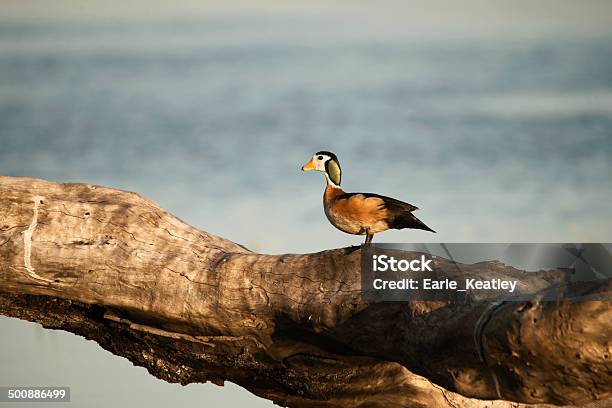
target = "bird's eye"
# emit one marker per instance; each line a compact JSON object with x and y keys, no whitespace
{"x":320,"y":158}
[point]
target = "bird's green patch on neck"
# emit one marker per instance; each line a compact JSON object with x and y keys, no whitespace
{"x":332,"y":168}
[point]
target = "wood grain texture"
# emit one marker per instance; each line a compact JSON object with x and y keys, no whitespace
{"x":189,"y":306}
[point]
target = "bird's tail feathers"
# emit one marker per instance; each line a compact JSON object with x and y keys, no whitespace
{"x":408,"y":220}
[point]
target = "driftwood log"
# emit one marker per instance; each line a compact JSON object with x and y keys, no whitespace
{"x":189,"y":306}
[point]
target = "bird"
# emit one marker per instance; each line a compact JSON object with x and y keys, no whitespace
{"x":360,"y":213}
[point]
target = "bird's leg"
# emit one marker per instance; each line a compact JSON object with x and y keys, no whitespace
{"x":368,"y":237}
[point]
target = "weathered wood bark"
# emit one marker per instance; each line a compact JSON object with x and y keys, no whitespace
{"x":192,"y":307}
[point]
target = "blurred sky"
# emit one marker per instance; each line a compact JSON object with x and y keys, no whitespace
{"x":494,"y":117}
{"x":443,"y":17}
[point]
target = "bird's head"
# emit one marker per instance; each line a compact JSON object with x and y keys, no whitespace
{"x":327,"y":163}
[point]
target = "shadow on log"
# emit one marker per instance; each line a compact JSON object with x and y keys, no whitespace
{"x":189,"y":306}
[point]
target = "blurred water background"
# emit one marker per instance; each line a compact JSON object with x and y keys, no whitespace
{"x":495,"y":118}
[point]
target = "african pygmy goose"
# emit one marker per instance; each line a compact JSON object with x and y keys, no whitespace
{"x":360,"y":213}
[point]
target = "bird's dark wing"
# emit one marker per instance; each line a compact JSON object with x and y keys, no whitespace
{"x":396,"y":213}
{"x":369,"y":208}
{"x":391,"y":203}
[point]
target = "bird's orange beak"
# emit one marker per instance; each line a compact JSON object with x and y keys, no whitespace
{"x":308,"y":166}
